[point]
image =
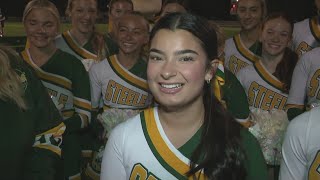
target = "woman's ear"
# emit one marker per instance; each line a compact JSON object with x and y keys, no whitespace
{"x":212,"y":69}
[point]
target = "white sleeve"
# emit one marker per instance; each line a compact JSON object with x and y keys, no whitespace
{"x":95,"y":86}
{"x":112,"y":167}
{"x":298,"y":89}
{"x":294,"y":147}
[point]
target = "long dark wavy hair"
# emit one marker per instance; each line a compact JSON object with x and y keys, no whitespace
{"x":219,"y":154}
{"x":285,"y":67}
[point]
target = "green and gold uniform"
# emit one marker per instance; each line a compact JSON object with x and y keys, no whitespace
{"x":68,"y":82}
{"x":31,"y":138}
{"x":237,"y":55}
{"x":117,"y":87}
{"x":140,"y":149}
{"x":85,"y":53}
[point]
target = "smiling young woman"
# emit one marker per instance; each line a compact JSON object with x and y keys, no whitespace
{"x":62,"y":74}
{"x":241,"y":49}
{"x":189,"y":133}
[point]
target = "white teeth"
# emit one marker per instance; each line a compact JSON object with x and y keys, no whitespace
{"x":171,"y":86}
{"x":127,"y":44}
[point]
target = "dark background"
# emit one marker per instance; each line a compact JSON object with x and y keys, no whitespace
{"x":213,"y":9}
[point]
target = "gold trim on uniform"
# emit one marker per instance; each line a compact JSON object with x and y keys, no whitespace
{"x":55,"y":132}
{"x":85,"y":104}
{"x":244,"y":50}
{"x":267,"y":76}
{"x":160,"y":145}
{"x":289,"y":106}
{"x":315,"y":27}
{"x":125,"y":74}
{"x":76,"y":47}
{"x":91,"y":173}
{"x":45,"y":75}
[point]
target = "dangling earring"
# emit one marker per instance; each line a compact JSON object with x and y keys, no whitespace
{"x":208,"y":81}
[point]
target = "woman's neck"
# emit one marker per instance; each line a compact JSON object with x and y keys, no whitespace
{"x":250,"y":37}
{"x":40,"y":56}
{"x":271,"y":62}
{"x":80,"y":38}
{"x":128,"y":60}
{"x":180,"y":125}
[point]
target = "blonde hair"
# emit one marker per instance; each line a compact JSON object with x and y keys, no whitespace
{"x":41,"y":4}
{"x":10,"y":84}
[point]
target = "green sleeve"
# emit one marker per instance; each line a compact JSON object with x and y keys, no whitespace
{"x":82,"y":99}
{"x":235,"y":97}
{"x":48,"y":131}
{"x":255,"y":164}
{"x":294,"y":112}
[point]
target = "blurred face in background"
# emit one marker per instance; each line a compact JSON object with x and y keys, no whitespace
{"x":276,"y":36}
{"x":132,"y":33}
{"x":41,"y":27}
{"x":171,"y":8}
{"x":83,"y":15}
{"x":118,"y":9}
{"x":250,"y":14}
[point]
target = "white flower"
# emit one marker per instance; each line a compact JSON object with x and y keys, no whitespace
{"x":269,"y":128}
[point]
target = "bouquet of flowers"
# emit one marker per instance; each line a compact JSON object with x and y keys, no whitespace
{"x":269,"y":129}
{"x":114,"y":116}
{"x":109,"y":119}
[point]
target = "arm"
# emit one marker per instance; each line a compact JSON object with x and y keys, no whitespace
{"x":81,"y":99}
{"x":298,"y":89}
{"x":112,"y":163}
{"x":48,"y":133}
{"x":95,"y":86}
{"x":294,"y":162}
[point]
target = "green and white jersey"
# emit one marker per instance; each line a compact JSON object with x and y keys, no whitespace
{"x":306,"y":35}
{"x":68,"y":82}
{"x":140,"y":149}
{"x":301,"y":148}
{"x":264,"y":91}
{"x":118,"y":87}
{"x":305,"y":85}
{"x":85,"y":54}
{"x":237,"y":55}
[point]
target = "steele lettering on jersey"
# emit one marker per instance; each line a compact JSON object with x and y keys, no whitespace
{"x":60,"y":86}
{"x":306,"y":35}
{"x":159,"y":160}
{"x":117,"y":87}
{"x":301,"y":148}
{"x":264,"y":91}
{"x":305,"y":86}
{"x":67,"y":43}
{"x":237,"y":55}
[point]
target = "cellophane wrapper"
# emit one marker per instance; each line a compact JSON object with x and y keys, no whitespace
{"x":269,"y":129}
{"x":113,"y":116}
